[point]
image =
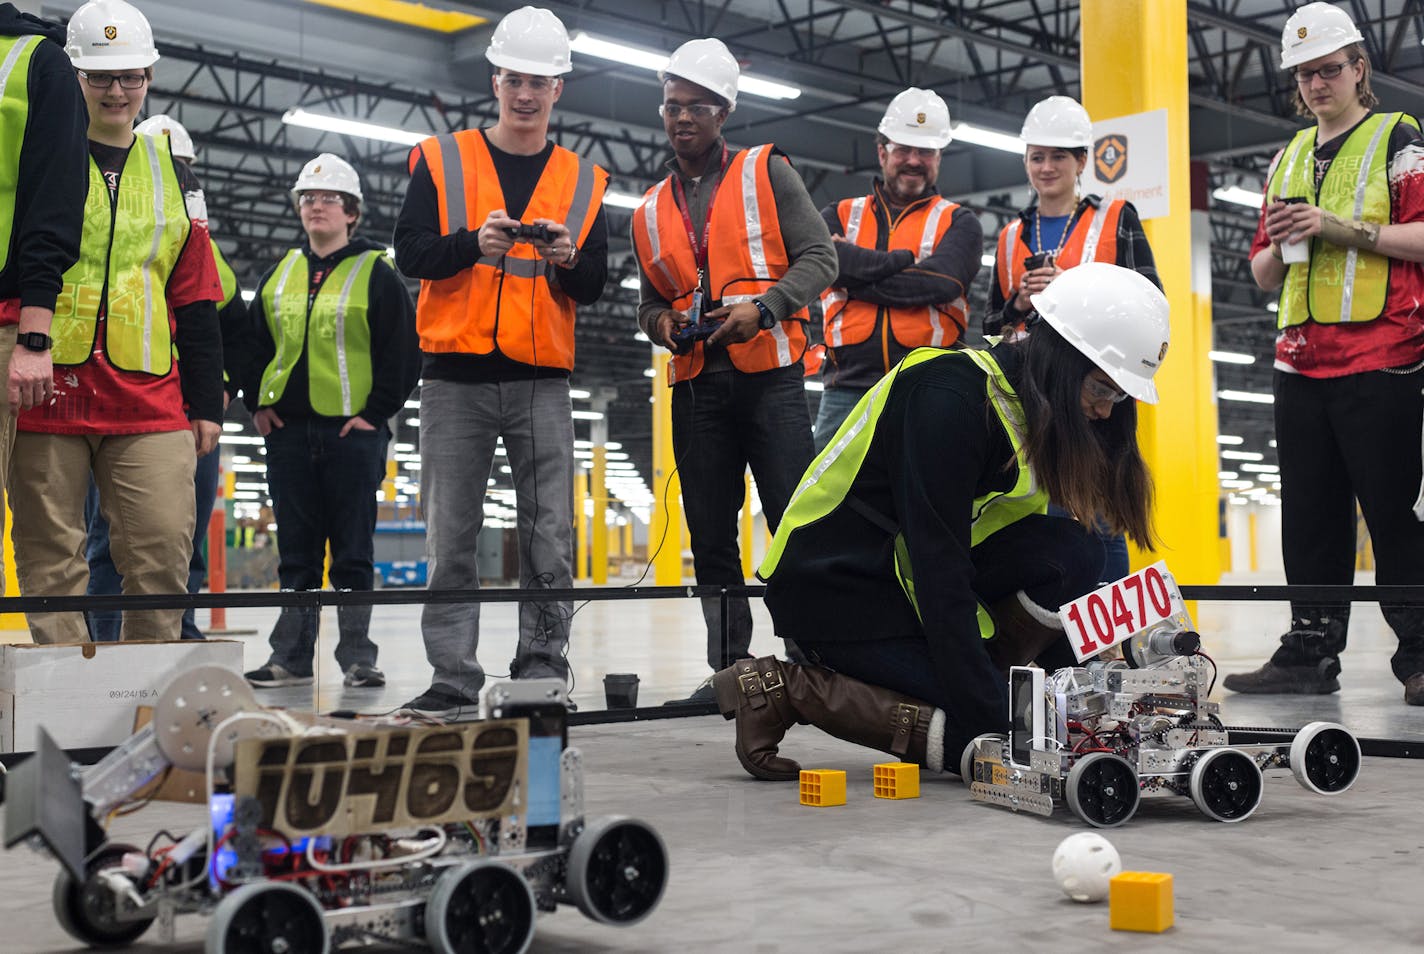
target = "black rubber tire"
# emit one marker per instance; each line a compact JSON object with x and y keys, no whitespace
{"x":85,"y":910}
{"x":1325,"y":758}
{"x":1102,"y":789}
{"x":268,"y":917}
{"x":617,"y":870}
{"x":1226,"y":784}
{"x":481,"y":907}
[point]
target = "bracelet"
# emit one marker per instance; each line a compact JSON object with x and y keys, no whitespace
{"x":1276,"y":251}
{"x":573,"y":257}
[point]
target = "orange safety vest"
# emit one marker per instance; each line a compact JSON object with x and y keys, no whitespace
{"x":919,"y":229}
{"x":507,"y":303}
{"x":1093,"y":239}
{"x":745,"y":257}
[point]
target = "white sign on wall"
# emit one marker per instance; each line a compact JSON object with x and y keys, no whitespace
{"x":1129,"y":161}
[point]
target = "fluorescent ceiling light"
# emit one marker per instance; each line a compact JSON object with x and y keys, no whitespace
{"x":1273,"y":306}
{"x":1251,"y":397}
{"x":1271,"y":469}
{"x":248,"y":294}
{"x":653,"y":60}
{"x":1226,"y":474}
{"x":1229,"y":439}
{"x":987,"y":261}
{"x":296,"y":116}
{"x":1242,"y":455}
{"x":1240,"y":195}
{"x":813,"y":386}
{"x":621,"y":200}
{"x":588,"y":415}
{"x":631,"y":283}
{"x":579,"y":394}
{"x":1231,"y":357}
{"x":649,"y":373}
{"x":988,"y":137}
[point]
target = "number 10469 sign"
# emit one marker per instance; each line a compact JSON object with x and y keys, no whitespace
{"x":1110,"y":616}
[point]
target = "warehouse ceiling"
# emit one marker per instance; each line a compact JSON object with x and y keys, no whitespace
{"x":232,"y":68}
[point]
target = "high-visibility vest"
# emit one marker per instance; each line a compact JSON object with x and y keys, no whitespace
{"x":826,"y":485}
{"x":1093,"y":239}
{"x":509,"y":302}
{"x":334,"y":331}
{"x":226,"y":276}
{"x":918,"y":229}
{"x":746,"y":256}
{"x":1339,"y":284}
{"x":16,"y":52}
{"x":125,"y":261}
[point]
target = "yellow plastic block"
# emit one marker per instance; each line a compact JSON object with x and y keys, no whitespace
{"x":822,"y":787}
{"x":897,"y":780}
{"x":1141,"y":901}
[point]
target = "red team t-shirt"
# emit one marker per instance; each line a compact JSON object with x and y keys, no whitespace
{"x":1396,"y":338}
{"x":97,"y":398}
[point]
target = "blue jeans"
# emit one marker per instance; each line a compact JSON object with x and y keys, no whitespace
{"x":104,"y":578}
{"x":459,"y":424}
{"x":836,"y":405}
{"x":723,"y":422}
{"x":324,"y":492}
{"x":1115,"y":565}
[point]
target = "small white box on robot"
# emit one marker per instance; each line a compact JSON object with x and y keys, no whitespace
{"x":84,"y":694}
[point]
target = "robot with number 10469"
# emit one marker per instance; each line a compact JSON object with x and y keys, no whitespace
{"x":1107,"y":733}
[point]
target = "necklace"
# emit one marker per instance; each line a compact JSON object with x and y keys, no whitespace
{"x":1067,"y":228}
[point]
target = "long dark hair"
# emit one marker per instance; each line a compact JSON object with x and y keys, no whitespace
{"x":1089,"y":468}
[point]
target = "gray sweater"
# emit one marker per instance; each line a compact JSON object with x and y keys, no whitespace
{"x":808,"y":245}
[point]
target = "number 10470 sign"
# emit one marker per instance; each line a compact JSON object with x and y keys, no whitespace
{"x":1110,"y":616}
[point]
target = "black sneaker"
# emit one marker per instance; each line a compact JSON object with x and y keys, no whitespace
{"x":364,"y":677}
{"x":704,"y":694}
{"x":1273,"y":679}
{"x":442,"y":702}
{"x":273,"y":676}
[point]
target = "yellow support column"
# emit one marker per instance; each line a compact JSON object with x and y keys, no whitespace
{"x":628,"y":535}
{"x":581,"y":524}
{"x":666,"y":533}
{"x":11,"y":621}
{"x":388,"y":489}
{"x":746,"y":528}
{"x":1134,"y":57}
{"x":1251,"y":537}
{"x":600,"y":514}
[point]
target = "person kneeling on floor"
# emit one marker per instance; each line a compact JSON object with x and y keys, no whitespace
{"x":916,"y":562}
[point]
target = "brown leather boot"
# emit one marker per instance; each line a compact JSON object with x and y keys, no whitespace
{"x":767,"y":697}
{"x":1021,"y":634}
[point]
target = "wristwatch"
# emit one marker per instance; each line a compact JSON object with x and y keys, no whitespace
{"x":34,"y":341}
{"x":767,"y":321}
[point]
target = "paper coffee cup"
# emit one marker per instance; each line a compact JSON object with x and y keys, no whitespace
{"x":1295,"y":253}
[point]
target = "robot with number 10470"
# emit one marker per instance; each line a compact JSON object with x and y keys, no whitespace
{"x":1107,"y":733}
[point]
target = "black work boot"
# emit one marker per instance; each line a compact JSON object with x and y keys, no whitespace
{"x":1315,"y":679}
{"x":1414,"y":690}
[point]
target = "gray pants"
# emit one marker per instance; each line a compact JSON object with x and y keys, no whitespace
{"x":459,"y":423}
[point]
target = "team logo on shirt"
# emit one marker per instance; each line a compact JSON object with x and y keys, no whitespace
{"x":111,"y":32}
{"x":1110,"y":157}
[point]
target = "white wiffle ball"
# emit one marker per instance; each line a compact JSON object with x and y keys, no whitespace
{"x":1084,"y":864}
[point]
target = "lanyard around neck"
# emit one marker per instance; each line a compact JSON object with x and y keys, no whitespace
{"x":699,"y":249}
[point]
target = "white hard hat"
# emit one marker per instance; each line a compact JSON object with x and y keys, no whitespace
{"x":1116,"y":317}
{"x":110,"y":35}
{"x":1058,"y":121}
{"x":328,"y":173}
{"x":917,"y":117}
{"x":709,"y":64}
{"x":531,"y":40}
{"x":1315,"y":30}
{"x":178,"y":138}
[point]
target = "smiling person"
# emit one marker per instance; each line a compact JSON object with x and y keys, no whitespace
{"x":334,"y":342}
{"x":907,"y":256}
{"x":1344,"y":204}
{"x":124,"y":409}
{"x":730,"y":238}
{"x":496,"y":319}
{"x":916,"y":562}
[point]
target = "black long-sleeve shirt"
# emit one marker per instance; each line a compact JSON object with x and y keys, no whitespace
{"x":53,"y":171}
{"x":893,"y":279}
{"x":423,"y":252}
{"x":395,"y":349}
{"x":1133,"y":251}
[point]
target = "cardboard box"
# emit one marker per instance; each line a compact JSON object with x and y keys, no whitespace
{"x":85,"y":694}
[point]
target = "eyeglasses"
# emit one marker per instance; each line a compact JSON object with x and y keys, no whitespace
{"x":907,"y":152}
{"x":105,"y":80}
{"x":694,"y":111}
{"x":321,"y":198}
{"x":1328,"y":72}
{"x":535,"y":84}
{"x":1097,"y":392}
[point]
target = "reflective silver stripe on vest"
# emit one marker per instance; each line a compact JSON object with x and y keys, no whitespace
{"x":1011,"y":242}
{"x":581,"y":208}
{"x":456,"y":215}
{"x":838,"y":295}
{"x":927,"y":243}
{"x":857,"y":214}
{"x":1347,"y":292}
{"x":1095,"y":232}
{"x":292,"y":259}
{"x":160,"y":222}
{"x":778,"y":333}
{"x":650,"y":222}
{"x":755,"y":247}
{"x":13,"y":57}
{"x":518,"y":267}
{"x":343,"y":373}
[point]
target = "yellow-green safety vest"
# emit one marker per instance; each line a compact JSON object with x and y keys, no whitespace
{"x":825,"y":487}
{"x":125,"y":261}
{"x":225,"y":275}
{"x":16,"y":52}
{"x":334,"y":332}
{"x":1339,"y":284}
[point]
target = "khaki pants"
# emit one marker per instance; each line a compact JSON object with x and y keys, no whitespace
{"x":145,"y":484}
{"x":7,"y":429}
